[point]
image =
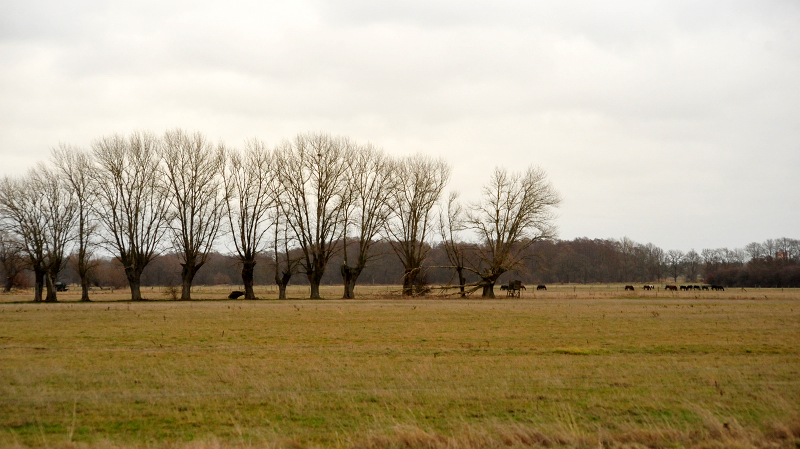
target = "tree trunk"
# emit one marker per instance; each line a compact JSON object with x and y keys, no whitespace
{"x":314,"y":278}
{"x":488,"y":289}
{"x":282,"y":283}
{"x":9,"y":283}
{"x":281,"y":291}
{"x":349,"y":277}
{"x":51,"y":288}
{"x":248,"y":269}
{"x":83,"y":272}
{"x":462,"y":281}
{"x":136,"y":292}
{"x":409,"y":276}
{"x":188,"y":270}
{"x":85,"y":288}
{"x":135,"y":282}
{"x":38,"y":285}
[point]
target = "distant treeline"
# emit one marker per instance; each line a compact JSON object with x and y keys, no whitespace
{"x":773,"y":263}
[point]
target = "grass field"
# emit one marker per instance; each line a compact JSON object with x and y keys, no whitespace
{"x":575,"y":366}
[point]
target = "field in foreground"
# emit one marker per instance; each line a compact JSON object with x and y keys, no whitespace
{"x":580,"y":370}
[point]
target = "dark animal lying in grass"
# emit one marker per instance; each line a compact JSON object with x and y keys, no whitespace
{"x":541,"y":287}
{"x":235,"y":294}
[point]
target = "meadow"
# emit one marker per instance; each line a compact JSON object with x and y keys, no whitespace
{"x":576,"y":366}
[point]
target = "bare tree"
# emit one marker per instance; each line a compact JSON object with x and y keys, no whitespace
{"x":674,"y":258}
{"x":451,"y":224}
{"x":192,"y":170}
{"x":313,"y":175}
{"x":515,"y":212}
{"x":60,"y":209}
{"x":755,"y":250}
{"x":691,"y":262}
{"x":249,"y":193}
{"x":367,"y":210}
{"x":76,"y":167}
{"x":11,"y":259}
{"x":131,"y":201}
{"x":41,"y":212}
{"x":653,"y":262}
{"x":627,"y":250}
{"x":420,"y":181}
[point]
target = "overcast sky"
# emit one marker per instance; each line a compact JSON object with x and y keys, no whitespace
{"x":674,"y":122}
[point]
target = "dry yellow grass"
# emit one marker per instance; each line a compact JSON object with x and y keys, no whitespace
{"x":575,"y":367}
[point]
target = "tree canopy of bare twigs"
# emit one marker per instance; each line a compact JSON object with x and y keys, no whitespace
{"x":367,"y":209}
{"x":515,"y":211}
{"x":313,"y":174}
{"x":249,"y":180}
{"x":192,"y":170}
{"x":674,"y":259}
{"x":419,"y":182}
{"x":131,"y":201}
{"x":75,"y":167}
{"x":451,"y":224}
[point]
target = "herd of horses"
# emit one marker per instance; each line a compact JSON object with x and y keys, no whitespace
{"x":675,"y":288}
{"x":515,"y":287}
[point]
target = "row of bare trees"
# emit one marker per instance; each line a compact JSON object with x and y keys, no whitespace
{"x":306,"y":200}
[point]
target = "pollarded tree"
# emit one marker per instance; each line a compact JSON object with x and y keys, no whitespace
{"x":131,"y":201}
{"x":367,"y":210}
{"x":313,"y":175}
{"x":419,"y":183}
{"x":75,"y":166}
{"x":60,"y":209}
{"x":516,"y":211}
{"x":249,"y":180}
{"x":192,"y":171}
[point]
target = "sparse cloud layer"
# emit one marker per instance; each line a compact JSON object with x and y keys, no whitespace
{"x":675,"y":123}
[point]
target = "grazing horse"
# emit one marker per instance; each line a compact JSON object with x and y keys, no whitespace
{"x":717,"y":288}
{"x":629,"y":287}
{"x":696,"y":287}
{"x":235,"y":294}
{"x":648,"y":287}
{"x":541,"y":287}
{"x":705,"y":287}
{"x":683,"y":287}
{"x":673,"y":288}
{"x":504,"y":287}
